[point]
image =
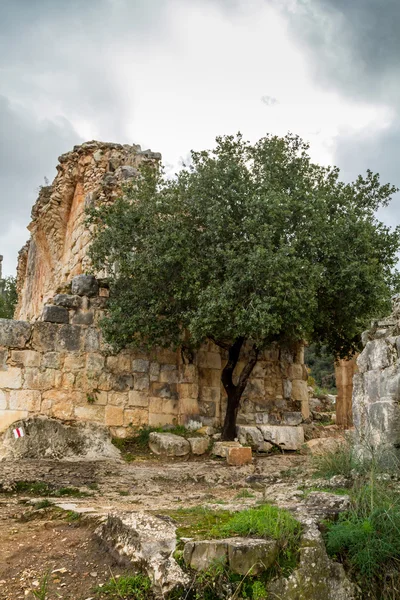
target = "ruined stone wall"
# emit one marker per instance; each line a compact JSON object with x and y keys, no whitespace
{"x":57,"y":250}
{"x":61,"y":367}
{"x":376,"y":386}
{"x":53,"y":360}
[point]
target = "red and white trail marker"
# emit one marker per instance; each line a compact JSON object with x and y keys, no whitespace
{"x":18,"y":432}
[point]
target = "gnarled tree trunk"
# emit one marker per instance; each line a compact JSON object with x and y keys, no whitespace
{"x":235,"y":391}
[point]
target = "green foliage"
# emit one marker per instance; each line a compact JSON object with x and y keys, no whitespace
{"x":43,"y":504}
{"x":322,"y":367}
{"x":249,"y":241}
{"x":245,"y":493}
{"x":367,"y":538}
{"x":40,"y":488}
{"x":130,"y":587}
{"x":91,"y":398}
{"x":9,"y":298}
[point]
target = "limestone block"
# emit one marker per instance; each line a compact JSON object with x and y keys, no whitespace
{"x":252,"y":436}
{"x":44,"y":336}
{"x":169,"y":374}
{"x":188,"y":374}
{"x":239,"y":456}
{"x":101,"y":398}
{"x":140,"y":366}
{"x":207,"y":409}
{"x":68,"y":301}
{"x":118,"y":398}
{"x":142,"y":381}
{"x":158,"y":420}
{"x":287,"y":388}
{"x":198,"y":445}
{"x":94,"y":364}
{"x":321,"y":446}
{"x":251,"y":555}
{"x":136,"y":417}
{"x":188,"y":390}
{"x":67,"y":380}
{"x":91,"y":340}
{"x":55,"y":314}
{"x":8,"y":417}
{"x":299,"y":390}
{"x":138,"y":399}
{"x":292,"y":418}
{"x":154,"y":371}
{"x":296,"y":371}
{"x":164,"y":355}
{"x":69,"y":338}
{"x":163,"y":406}
{"x":25,"y":400}
{"x":286,"y":437}
{"x":221,"y":448}
{"x":84,"y":285}
{"x":11,"y":378}
{"x":25,"y":358}
{"x":36,"y":379}
{"x":14,"y":334}
{"x":189,"y":407}
{"x":209,"y":377}
{"x":168,"y":444}
{"x":83,"y":317}
{"x":90,"y":412}
{"x":254,"y":389}
{"x":201,"y":554}
{"x":3,"y":400}
{"x":114,"y":415}
{"x":3,"y":358}
{"x":74,"y":362}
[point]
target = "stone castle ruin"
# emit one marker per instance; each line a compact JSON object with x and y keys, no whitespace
{"x":54,"y":361}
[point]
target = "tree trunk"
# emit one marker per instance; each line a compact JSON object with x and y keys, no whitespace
{"x":234,"y":392}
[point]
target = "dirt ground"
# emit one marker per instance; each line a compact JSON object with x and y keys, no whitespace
{"x":58,"y":540}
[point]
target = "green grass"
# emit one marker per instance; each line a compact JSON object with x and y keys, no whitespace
{"x":130,"y":587}
{"x":367,"y":537}
{"x":342,"y":461}
{"x":264,"y":521}
{"x":43,"y":504}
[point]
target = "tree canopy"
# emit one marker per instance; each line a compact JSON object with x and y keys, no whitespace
{"x":8,"y":299}
{"x":251,"y":243}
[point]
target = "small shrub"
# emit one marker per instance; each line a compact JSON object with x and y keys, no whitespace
{"x":43,"y":504}
{"x":342,"y":461}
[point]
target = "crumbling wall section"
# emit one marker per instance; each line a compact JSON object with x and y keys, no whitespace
{"x":93,"y":172}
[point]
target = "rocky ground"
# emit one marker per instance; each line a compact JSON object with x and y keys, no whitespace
{"x":59,"y":539}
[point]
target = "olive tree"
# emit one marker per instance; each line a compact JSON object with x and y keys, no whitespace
{"x":248,"y":245}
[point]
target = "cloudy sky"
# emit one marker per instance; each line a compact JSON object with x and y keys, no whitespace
{"x":172,"y":74}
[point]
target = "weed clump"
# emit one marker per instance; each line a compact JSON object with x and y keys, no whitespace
{"x":132,"y":587}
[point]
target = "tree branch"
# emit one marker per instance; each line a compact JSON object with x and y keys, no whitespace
{"x":233,"y":357}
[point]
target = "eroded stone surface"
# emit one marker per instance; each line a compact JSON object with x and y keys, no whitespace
{"x":168,"y":444}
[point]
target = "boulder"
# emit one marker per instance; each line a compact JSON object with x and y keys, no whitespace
{"x":221,"y":448}
{"x":146,"y":542}
{"x":237,"y":457}
{"x":240,"y":554}
{"x":198,"y":445}
{"x":52,"y":439}
{"x":84,"y":285}
{"x":168,"y":444}
{"x":251,"y":436}
{"x":284,"y":436}
{"x":68,"y":301}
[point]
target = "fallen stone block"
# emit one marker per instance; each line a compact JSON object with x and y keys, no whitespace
{"x":200,"y":555}
{"x":247,"y":555}
{"x":198,"y":445}
{"x":144,"y":542}
{"x":168,"y":444}
{"x":284,"y":436}
{"x":249,"y":435}
{"x":241,"y":554}
{"x":52,"y":439}
{"x":236,"y":457}
{"x":221,"y":448}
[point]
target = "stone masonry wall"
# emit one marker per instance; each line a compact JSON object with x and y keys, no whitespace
{"x":53,"y":360}
{"x":61,"y":367}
